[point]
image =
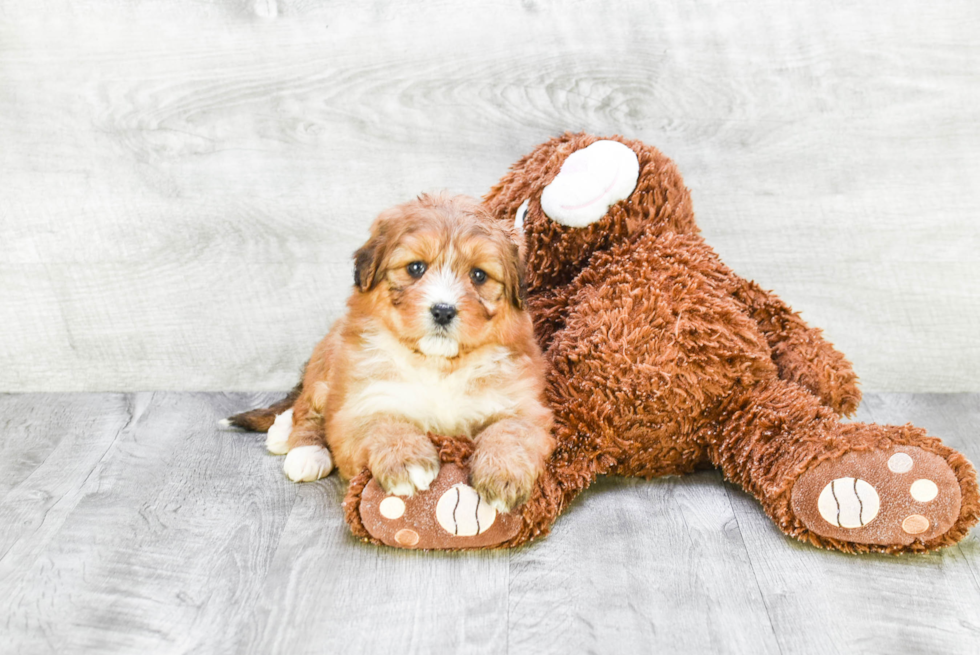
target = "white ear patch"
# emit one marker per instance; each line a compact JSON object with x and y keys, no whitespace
{"x":521,"y":215}
{"x":590,"y":181}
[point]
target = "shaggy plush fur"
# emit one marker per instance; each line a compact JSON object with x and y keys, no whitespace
{"x":664,"y":360}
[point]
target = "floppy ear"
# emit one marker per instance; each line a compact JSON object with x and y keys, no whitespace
{"x":515,"y":230}
{"x":370,"y":258}
{"x":514,"y":284}
{"x":367,"y":263}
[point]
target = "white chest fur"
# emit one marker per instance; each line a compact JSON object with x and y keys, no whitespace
{"x":394,"y":381}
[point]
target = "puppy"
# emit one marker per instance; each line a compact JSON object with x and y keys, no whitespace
{"x":435,"y":339}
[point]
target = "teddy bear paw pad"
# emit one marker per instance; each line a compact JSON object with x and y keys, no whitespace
{"x":449,"y":515}
{"x":885,"y":498}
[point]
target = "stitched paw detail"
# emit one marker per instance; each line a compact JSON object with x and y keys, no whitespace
{"x":889,"y":497}
{"x":448,"y":515}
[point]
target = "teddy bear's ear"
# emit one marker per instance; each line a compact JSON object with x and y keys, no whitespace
{"x":590,"y":181}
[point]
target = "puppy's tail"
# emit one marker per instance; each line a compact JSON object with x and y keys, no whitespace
{"x":260,"y":420}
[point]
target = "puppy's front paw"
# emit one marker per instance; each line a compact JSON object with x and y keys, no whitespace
{"x":504,"y":482}
{"x":403,"y":477}
{"x":308,"y":463}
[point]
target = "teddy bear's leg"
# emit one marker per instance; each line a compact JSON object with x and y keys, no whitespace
{"x":800,"y":352}
{"x":586,"y":450}
{"x":854,"y":487}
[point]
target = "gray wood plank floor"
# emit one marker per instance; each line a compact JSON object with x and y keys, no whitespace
{"x":129,"y":523}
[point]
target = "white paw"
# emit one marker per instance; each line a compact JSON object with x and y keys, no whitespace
{"x":498,"y":505}
{"x":406,"y":489}
{"x":307,"y":463}
{"x":419,"y":479}
{"x":277,"y":438}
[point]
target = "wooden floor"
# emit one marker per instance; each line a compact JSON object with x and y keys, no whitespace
{"x":129,"y":523}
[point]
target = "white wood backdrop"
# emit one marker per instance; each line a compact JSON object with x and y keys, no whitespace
{"x":182,"y":183}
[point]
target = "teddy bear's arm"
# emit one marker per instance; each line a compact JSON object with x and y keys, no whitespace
{"x":801,"y":352}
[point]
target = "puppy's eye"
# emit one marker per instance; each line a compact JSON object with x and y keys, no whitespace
{"x":478,"y":276}
{"x":416,"y":269}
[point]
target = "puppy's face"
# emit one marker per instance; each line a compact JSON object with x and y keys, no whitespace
{"x":441,"y":275}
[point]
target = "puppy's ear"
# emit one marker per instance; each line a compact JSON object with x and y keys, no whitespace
{"x":514,"y":284}
{"x":516,"y":233}
{"x":367,"y":263}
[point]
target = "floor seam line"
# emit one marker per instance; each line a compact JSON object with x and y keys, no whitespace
{"x":755,"y":575}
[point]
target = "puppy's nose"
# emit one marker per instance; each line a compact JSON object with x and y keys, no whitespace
{"x":443,"y":313}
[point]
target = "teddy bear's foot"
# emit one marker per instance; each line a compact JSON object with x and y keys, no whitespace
{"x":449,"y":515}
{"x":889,"y":498}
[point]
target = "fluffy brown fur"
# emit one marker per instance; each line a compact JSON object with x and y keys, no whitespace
{"x":387,"y":373}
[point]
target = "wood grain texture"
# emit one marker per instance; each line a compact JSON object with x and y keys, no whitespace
{"x":920,"y":604}
{"x":147,"y":539}
{"x":638,"y":567}
{"x":328,"y":592}
{"x":182,"y":183}
{"x":128,"y":523}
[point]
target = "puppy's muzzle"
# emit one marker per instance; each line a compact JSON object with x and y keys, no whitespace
{"x":443,"y":314}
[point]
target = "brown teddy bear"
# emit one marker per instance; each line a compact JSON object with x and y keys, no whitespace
{"x":664,"y":360}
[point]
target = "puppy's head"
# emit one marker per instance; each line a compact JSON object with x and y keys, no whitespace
{"x":442,"y":276}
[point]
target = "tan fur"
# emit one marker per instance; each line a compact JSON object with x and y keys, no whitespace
{"x":370,"y":391}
